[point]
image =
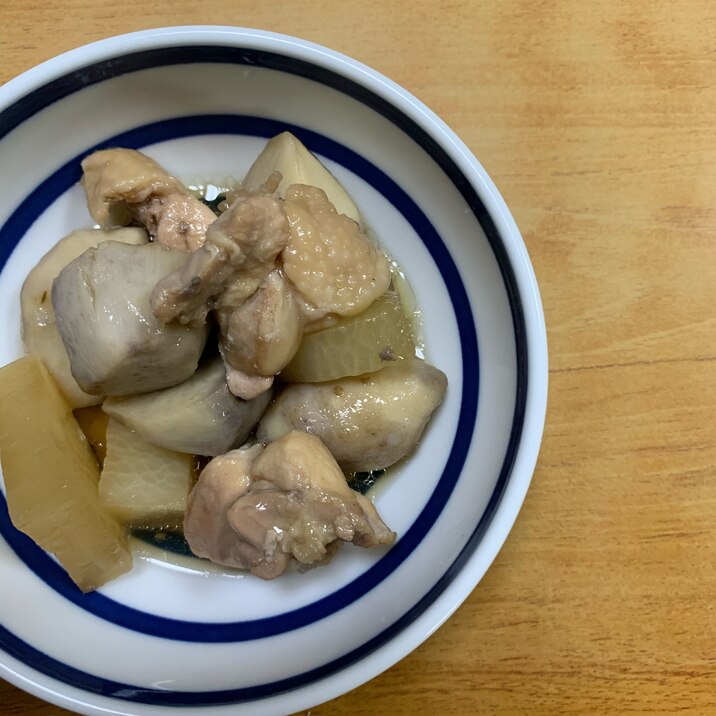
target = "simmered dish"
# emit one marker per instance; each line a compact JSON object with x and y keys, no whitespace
{"x":219,"y":369}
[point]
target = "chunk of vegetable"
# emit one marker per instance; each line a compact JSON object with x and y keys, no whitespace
{"x":368,"y":422}
{"x":115,"y":343}
{"x":51,"y":477}
{"x":288,"y":155}
{"x":199,"y":416}
{"x":93,"y":421}
{"x":354,"y":345}
{"x":39,"y":330}
{"x":144,"y":485}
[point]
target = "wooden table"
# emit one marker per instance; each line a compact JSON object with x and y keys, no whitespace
{"x":596,"y":121}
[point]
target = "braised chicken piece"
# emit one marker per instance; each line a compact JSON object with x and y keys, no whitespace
{"x":206,"y":525}
{"x":262,"y":509}
{"x":329,"y":259}
{"x":368,"y":422}
{"x":178,"y":220}
{"x":124,"y":184}
{"x":262,"y":336}
{"x":264,"y":332}
{"x":240,"y":249}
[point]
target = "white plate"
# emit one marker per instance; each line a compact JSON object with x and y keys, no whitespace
{"x":202,"y":101}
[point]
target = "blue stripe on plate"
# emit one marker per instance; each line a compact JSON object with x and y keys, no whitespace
{"x":64,"y":86}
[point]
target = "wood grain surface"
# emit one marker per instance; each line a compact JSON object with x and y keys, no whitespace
{"x":596,"y":121}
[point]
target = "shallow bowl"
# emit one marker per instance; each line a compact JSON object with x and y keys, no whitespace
{"x":203,"y":100}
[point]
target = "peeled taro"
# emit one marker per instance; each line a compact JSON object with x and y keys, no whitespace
{"x":115,"y":344}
